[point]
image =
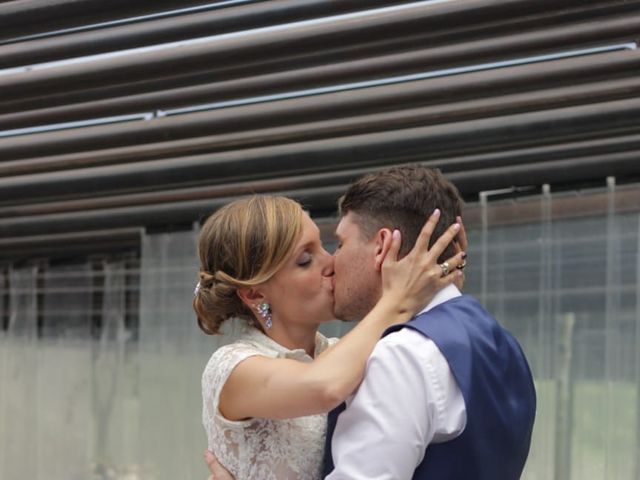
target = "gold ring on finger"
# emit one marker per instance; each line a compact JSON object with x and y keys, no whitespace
{"x":445,"y":268}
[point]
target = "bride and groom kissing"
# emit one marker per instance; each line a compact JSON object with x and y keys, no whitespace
{"x":427,"y":385}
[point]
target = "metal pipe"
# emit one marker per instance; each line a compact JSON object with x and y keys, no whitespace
{"x":321,"y":200}
{"x":378,"y":148}
{"x":149,"y":215}
{"x":23,"y":18}
{"x":569,"y":72}
{"x":295,"y":113}
{"x":168,"y":26}
{"x":372,"y":63}
{"x":606,"y":150}
{"x":352,"y":125}
{"x":16,"y":248}
{"x":559,"y":172}
{"x":326,"y":37}
{"x":581,"y":68}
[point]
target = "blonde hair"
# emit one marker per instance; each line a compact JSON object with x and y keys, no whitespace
{"x":243,"y":244}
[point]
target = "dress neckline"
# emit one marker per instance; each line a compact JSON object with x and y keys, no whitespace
{"x":255,"y":336}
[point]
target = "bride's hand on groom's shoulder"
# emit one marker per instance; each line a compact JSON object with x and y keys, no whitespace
{"x":218,"y":472}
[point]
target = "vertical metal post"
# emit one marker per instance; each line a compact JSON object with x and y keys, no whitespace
{"x":637,"y":354}
{"x":545,"y":322}
{"x":611,"y":330}
{"x":4,"y":325}
{"x":485,"y":246}
{"x":564,"y":401}
{"x":546,"y":339}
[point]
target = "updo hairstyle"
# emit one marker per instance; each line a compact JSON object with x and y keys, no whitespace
{"x":243,"y":244}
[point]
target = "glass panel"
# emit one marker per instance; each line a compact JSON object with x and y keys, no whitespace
{"x":635,"y":349}
{"x":568,"y":289}
{"x":81,"y":394}
{"x":173,"y":353}
{"x":19,"y":436}
{"x":510,"y":270}
{"x":4,"y":312}
{"x":64,"y":373}
{"x":113,"y":381}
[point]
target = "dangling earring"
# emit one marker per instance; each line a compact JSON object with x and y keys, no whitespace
{"x":264,"y":309}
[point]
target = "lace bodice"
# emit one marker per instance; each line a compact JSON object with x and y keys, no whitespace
{"x":259,"y":448}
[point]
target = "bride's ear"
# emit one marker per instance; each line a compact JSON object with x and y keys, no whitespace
{"x":383,"y":243}
{"x":250,"y":296}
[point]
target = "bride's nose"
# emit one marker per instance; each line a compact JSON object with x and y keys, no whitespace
{"x":327,"y":265}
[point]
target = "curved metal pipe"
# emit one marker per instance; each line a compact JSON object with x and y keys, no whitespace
{"x":25,"y":18}
{"x":170,"y":26}
{"x":17,"y":248}
{"x":531,"y":128}
{"x":607,"y":149}
{"x":291,"y":120}
{"x":580,"y":68}
{"x":571,"y":72}
{"x":320,"y":201}
{"x":318,"y":41}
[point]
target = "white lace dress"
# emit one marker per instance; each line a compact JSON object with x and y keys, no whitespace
{"x":259,"y":448}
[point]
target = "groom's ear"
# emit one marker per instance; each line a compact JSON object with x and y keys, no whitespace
{"x":383,"y":243}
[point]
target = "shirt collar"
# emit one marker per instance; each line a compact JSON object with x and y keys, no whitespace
{"x":444,"y":295}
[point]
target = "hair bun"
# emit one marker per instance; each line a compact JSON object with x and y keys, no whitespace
{"x":244,"y":243}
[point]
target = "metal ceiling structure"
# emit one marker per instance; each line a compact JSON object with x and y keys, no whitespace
{"x":116,"y":116}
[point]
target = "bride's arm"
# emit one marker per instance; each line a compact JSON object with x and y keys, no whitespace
{"x":282,"y":388}
{"x":218,"y":472}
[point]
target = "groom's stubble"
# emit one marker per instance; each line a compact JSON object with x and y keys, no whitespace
{"x":358,"y":284}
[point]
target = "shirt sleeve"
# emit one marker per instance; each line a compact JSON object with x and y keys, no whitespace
{"x":408,"y":399}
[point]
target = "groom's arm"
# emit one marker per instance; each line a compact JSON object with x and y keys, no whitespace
{"x":408,"y":399}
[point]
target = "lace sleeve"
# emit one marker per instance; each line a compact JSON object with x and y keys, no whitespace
{"x":259,"y":448}
{"x":215,"y":375}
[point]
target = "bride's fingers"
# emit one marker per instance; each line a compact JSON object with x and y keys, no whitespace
{"x":451,"y":270}
{"x":427,"y":230}
{"x":457,"y":261}
{"x":394,"y":248}
{"x":462,"y":235}
{"x":391,"y":250}
{"x":443,"y":242}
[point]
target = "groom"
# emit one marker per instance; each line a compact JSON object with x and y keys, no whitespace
{"x":448,"y":395}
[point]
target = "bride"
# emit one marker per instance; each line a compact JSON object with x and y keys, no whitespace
{"x":266,"y":395}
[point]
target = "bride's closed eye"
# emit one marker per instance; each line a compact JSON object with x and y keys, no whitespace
{"x":304,"y":260}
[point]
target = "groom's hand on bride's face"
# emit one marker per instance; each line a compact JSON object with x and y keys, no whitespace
{"x":218,"y":472}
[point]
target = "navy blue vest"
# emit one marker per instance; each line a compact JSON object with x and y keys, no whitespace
{"x":496,"y":383}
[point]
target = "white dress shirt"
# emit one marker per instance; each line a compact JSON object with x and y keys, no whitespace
{"x":407,"y":400}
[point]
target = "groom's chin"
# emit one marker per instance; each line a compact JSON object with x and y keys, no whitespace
{"x":344,"y":316}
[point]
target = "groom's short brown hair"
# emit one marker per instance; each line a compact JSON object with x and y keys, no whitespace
{"x":403,"y":197}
